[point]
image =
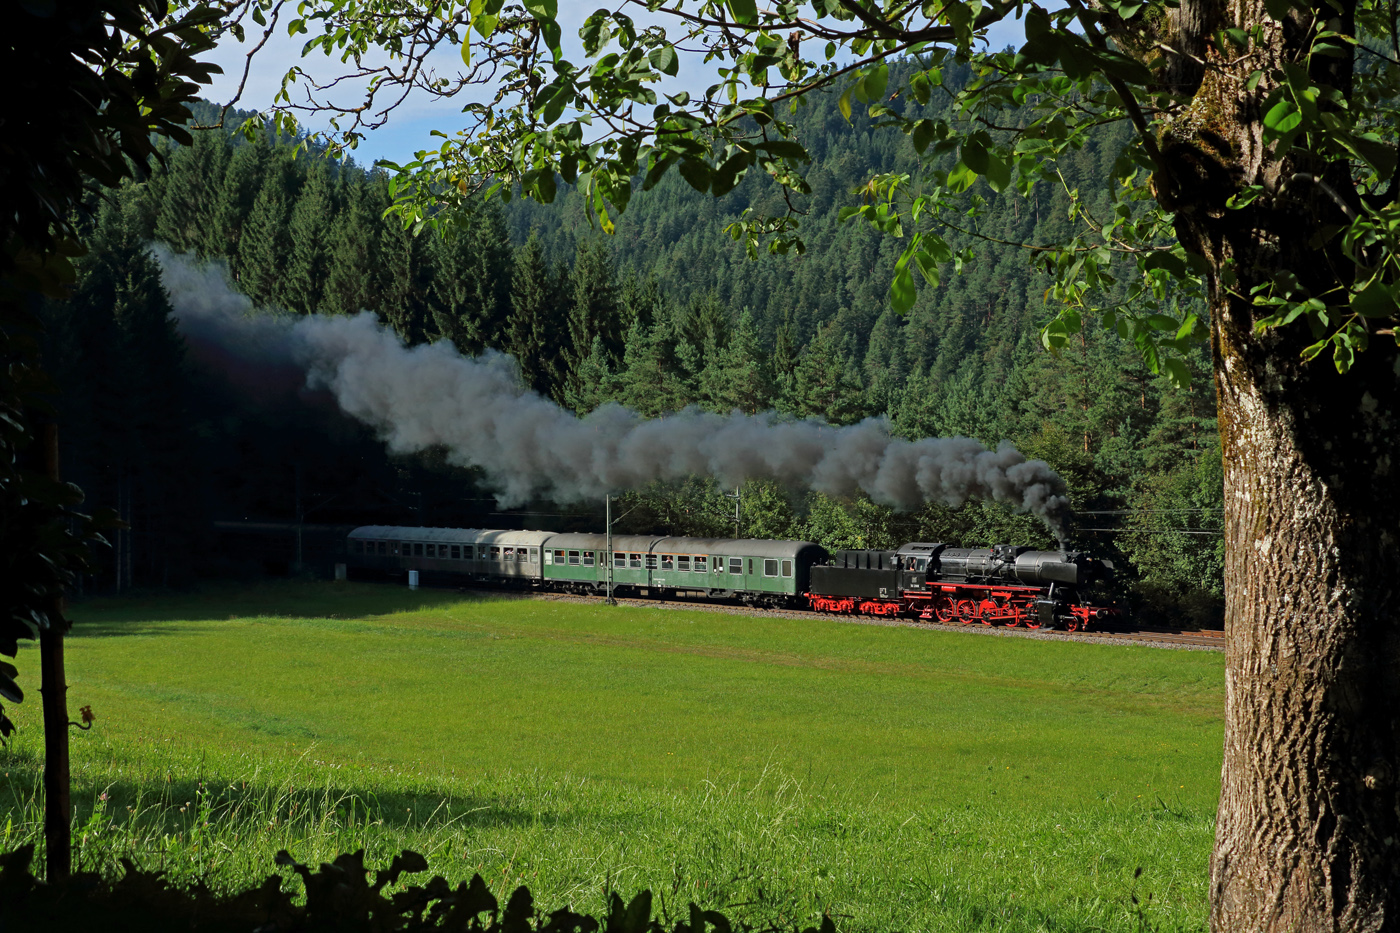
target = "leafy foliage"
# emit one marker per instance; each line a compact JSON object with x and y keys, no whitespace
{"x":338,"y":896}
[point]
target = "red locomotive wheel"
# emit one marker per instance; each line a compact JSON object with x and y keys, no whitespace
{"x":988,"y":611}
{"x":945,"y":611}
{"x":1073,"y":624}
{"x":967,"y":611}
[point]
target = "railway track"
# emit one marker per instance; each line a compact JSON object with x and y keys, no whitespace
{"x":1151,"y":637}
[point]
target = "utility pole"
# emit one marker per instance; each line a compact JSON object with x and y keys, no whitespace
{"x":610,"y":600}
{"x":737,"y":499}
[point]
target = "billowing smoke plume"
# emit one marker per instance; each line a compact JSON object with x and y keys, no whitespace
{"x":528,"y":446}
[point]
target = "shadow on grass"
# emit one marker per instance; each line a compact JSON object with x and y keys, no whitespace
{"x":184,"y":804}
{"x":158,"y":612}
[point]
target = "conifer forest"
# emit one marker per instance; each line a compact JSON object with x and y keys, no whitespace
{"x":665,"y":313}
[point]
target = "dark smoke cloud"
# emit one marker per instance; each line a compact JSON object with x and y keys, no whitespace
{"x":528,"y":446}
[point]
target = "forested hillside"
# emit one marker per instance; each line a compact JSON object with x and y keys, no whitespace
{"x":667,"y":312}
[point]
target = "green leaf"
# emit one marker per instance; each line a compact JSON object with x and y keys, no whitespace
{"x":467,"y":51}
{"x":665,"y":60}
{"x":1373,"y":151}
{"x":1283,"y":117}
{"x":542,"y":9}
{"x":920,"y":88}
{"x":923,"y":133}
{"x":1177,"y":371}
{"x":744,"y":11}
{"x":928,"y":267}
{"x":902,"y":292}
{"x":876,"y":82}
{"x":844,"y":103}
{"x":786,"y":149}
{"x":1376,"y":300}
{"x":974,"y":155}
{"x":961,"y":178}
{"x":698,"y":173}
{"x":998,"y":172}
{"x":729,"y":173}
{"x":1278,"y":9}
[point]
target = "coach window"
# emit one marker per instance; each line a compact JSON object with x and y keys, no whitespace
{"x":588,"y":558}
{"x":430,"y":550}
{"x":750,"y":566}
{"x":700,"y":563}
{"x":620,"y":560}
{"x":534,"y":555}
{"x":508,"y":554}
{"x":634,"y":561}
{"x":466,"y":552}
{"x":651,"y":561}
{"x":573,"y":558}
{"x":770,"y":567}
{"x":683,"y":563}
{"x":403,"y":550}
{"x":493,"y":553}
{"x":736,"y":565}
{"x":668,"y":562}
{"x":787,"y":568}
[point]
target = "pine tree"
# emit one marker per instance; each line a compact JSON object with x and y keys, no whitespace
{"x":886,"y":368}
{"x":235,"y":199}
{"x":594,"y":381}
{"x":350,"y":251}
{"x":265,"y":244}
{"x":824,"y":383}
{"x":534,"y":331}
{"x":131,"y":432}
{"x":738,"y":376}
{"x":655,"y":378}
{"x":594,"y":311}
{"x":403,"y":277}
{"x":186,"y":221}
{"x":471,"y":282}
{"x":304,"y":281}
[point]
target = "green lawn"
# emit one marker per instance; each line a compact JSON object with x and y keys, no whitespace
{"x":773,"y":768}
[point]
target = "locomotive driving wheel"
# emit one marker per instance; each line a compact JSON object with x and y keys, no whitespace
{"x":967,"y":611}
{"x":945,"y":611}
{"x":987,"y":611}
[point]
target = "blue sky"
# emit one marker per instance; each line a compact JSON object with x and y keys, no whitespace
{"x":409,"y":128}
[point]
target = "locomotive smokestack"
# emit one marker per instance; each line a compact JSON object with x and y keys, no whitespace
{"x":476,"y":408}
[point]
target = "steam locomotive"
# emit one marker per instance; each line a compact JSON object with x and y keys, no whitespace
{"x":1003,"y":585}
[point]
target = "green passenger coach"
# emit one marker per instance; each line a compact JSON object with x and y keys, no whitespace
{"x":771,"y":573}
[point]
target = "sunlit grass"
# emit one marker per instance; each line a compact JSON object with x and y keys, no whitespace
{"x":900,"y":778}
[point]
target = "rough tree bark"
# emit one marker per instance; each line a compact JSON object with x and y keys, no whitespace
{"x":1308,"y":831}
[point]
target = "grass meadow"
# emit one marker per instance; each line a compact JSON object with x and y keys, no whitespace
{"x":771,"y":768}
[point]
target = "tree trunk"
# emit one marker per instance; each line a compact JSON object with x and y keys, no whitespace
{"x":53,"y":686}
{"x":1308,"y":832}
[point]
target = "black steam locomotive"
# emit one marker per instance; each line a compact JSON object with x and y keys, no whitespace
{"x":1002,"y":585}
